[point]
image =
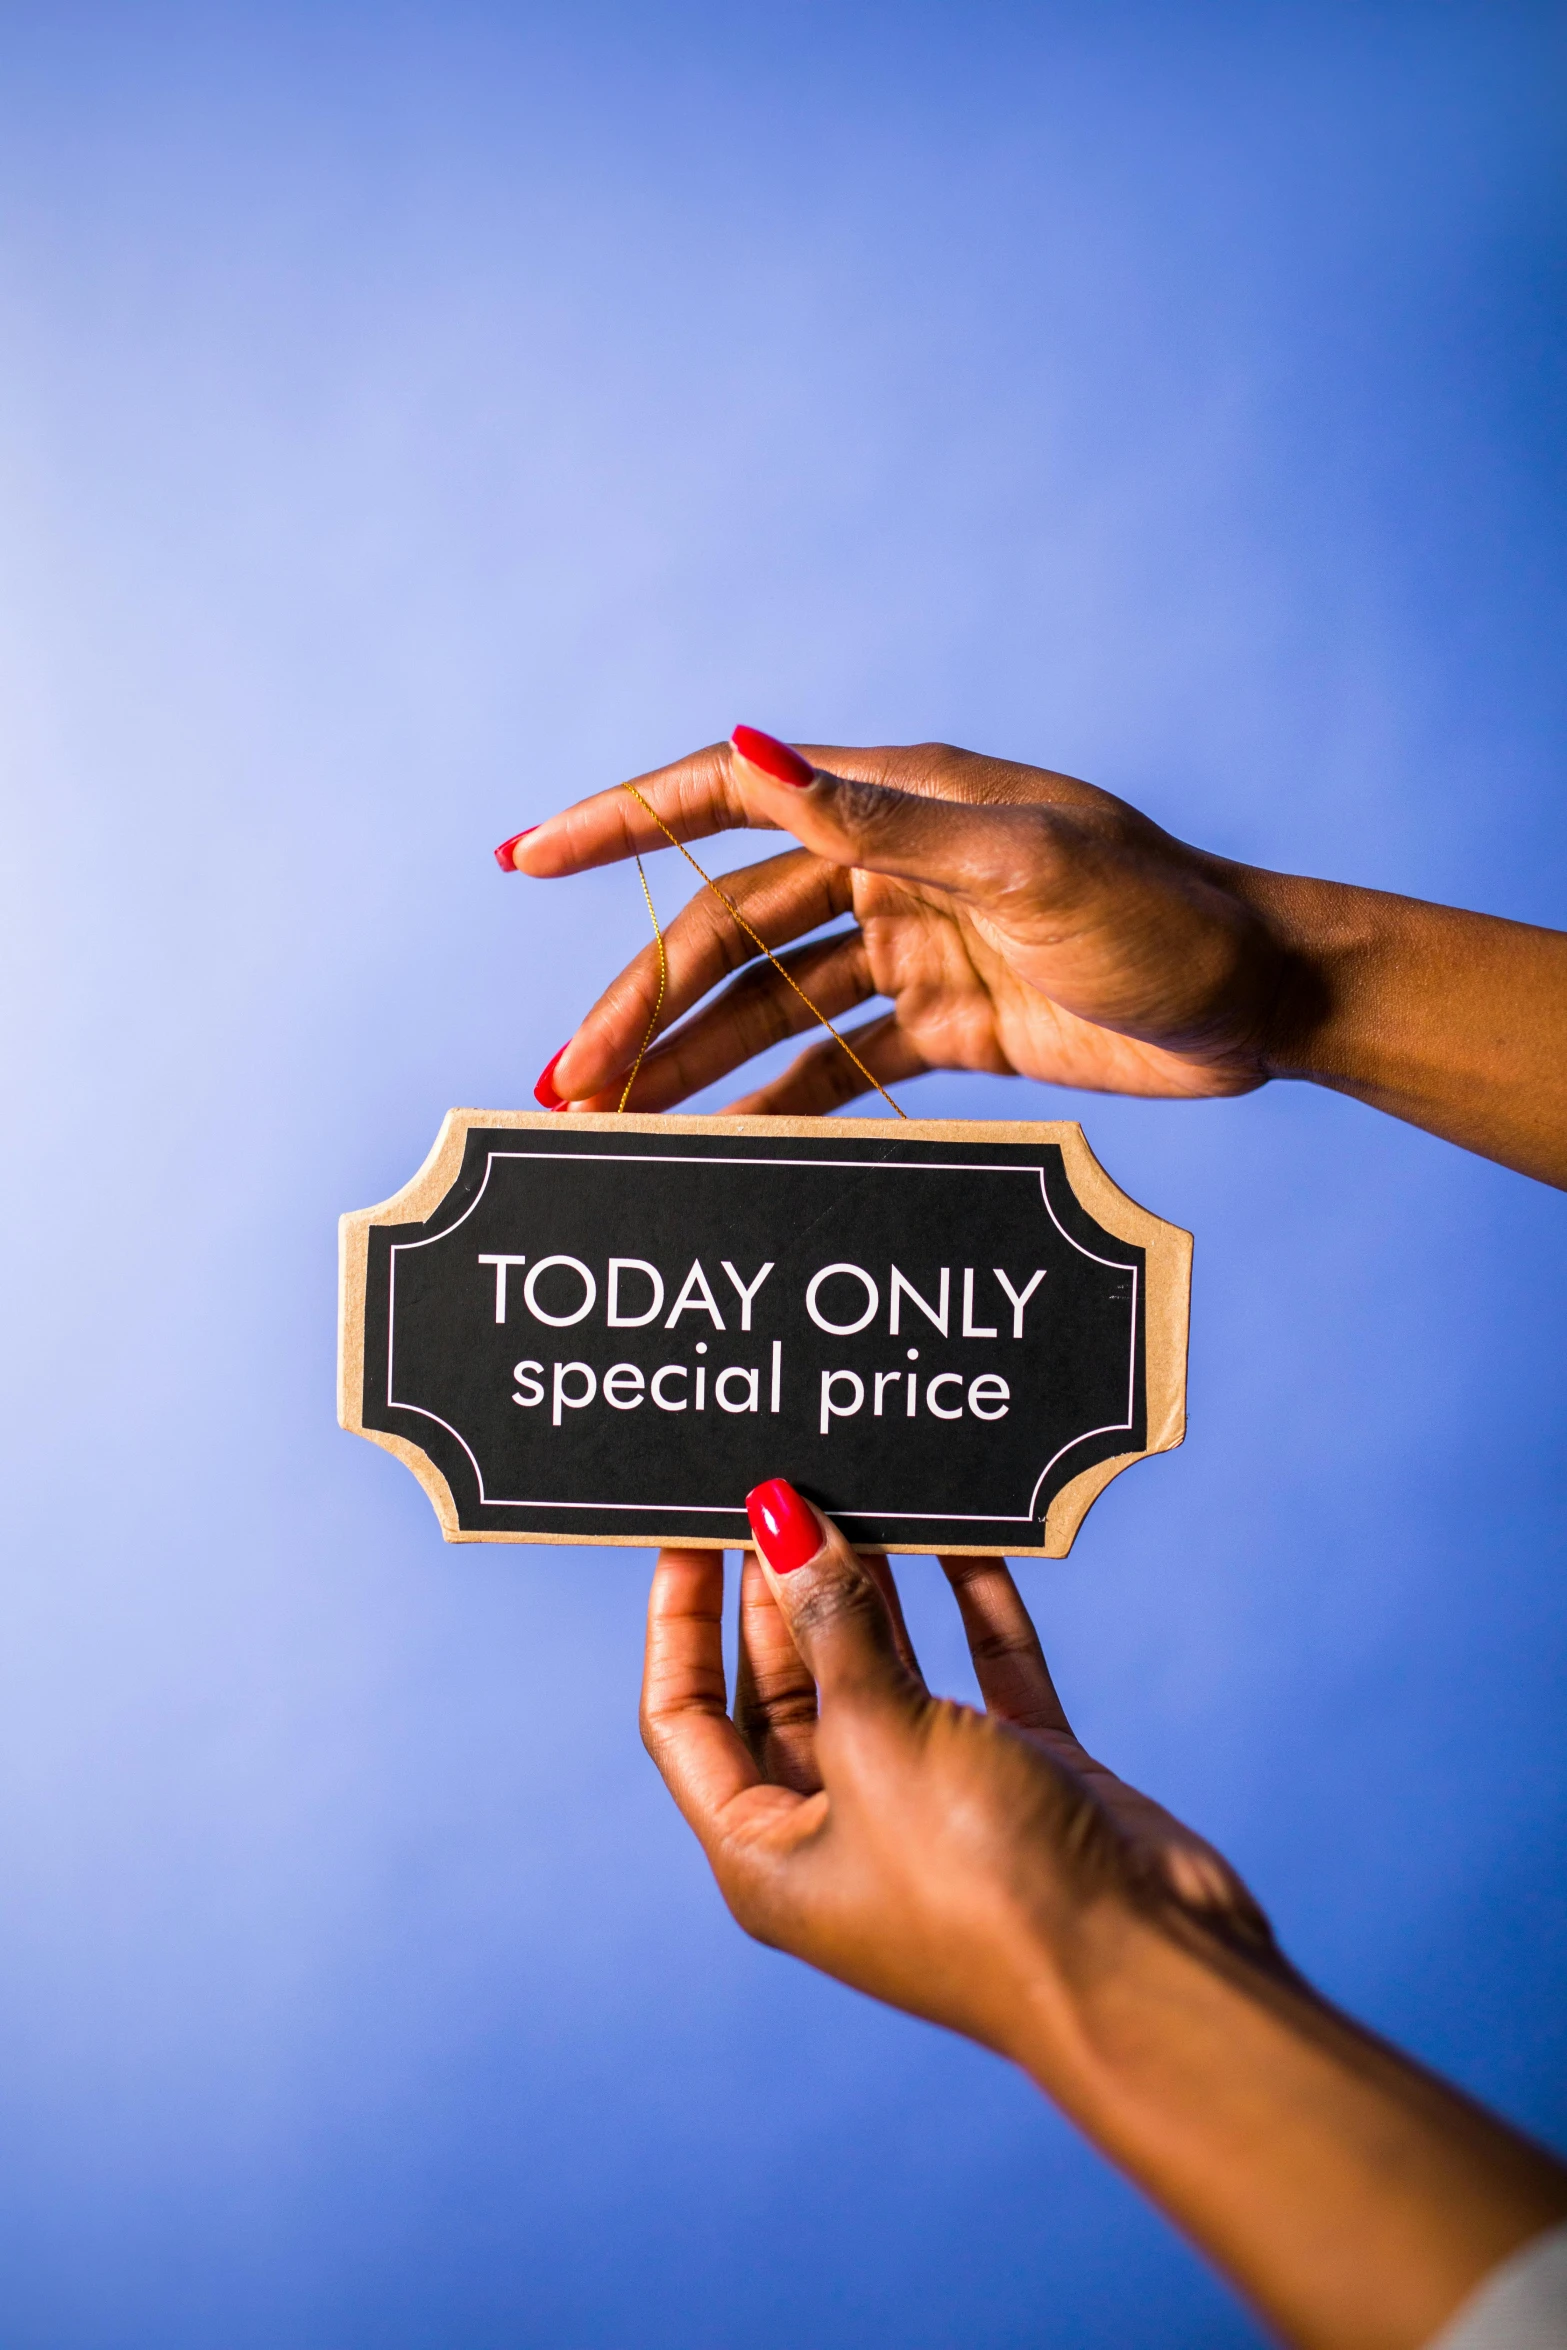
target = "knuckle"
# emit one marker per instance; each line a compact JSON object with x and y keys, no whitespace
{"x":993,"y":1647}
{"x":834,"y":1076}
{"x":724,"y":944}
{"x":838,"y":1603}
{"x":834,"y":975}
{"x":792,"y":1710}
{"x":750,"y":1908}
{"x":820,"y":1077}
{"x":653,"y":1729}
{"x":766,"y":1023}
{"x":704,"y":787}
{"x":761,"y":1014}
{"x":867,"y":810}
{"x":857,"y":956}
{"x":931,"y":757}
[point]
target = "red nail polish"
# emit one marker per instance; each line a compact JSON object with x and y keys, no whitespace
{"x":544,"y":1092}
{"x":503,"y":856}
{"x":787,"y":1531}
{"x":773,"y":757}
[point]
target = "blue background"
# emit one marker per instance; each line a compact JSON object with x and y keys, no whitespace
{"x":412,"y":418}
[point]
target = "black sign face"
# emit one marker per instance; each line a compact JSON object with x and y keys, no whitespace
{"x":611,"y":1329}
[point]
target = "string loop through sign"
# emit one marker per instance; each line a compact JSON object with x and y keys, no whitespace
{"x":756,"y":940}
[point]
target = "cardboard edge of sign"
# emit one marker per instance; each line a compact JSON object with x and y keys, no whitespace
{"x":1166,"y":1309}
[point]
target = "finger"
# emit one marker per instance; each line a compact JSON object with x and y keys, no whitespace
{"x":781,"y":899}
{"x":1009,"y":1664}
{"x":836,"y":1610}
{"x":700,"y":795}
{"x":758,"y":1009}
{"x":685,"y":1725}
{"x":775,"y":1695}
{"x":824,"y":1078}
{"x":696,"y":797}
{"x":879,"y":1569}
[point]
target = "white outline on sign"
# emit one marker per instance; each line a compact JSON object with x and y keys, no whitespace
{"x":703,"y":1509}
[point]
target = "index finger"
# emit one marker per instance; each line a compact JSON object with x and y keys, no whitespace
{"x":696,"y":797}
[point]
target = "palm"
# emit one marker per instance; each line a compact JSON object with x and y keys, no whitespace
{"x":974,"y":994}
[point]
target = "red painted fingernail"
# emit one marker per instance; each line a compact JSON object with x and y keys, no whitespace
{"x":773,"y":757}
{"x":503,"y":856}
{"x":544,"y":1092}
{"x":787,"y":1531}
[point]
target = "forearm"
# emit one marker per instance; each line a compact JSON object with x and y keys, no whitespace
{"x":1451,"y":1020}
{"x":1351,"y":2196}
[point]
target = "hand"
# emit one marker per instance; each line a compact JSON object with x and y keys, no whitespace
{"x":1019,"y":921}
{"x":982,"y":1871}
{"x":1022,"y":922}
{"x":923,"y":1852}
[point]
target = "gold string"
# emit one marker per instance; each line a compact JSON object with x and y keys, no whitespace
{"x":756,"y":940}
{"x":663,"y":981}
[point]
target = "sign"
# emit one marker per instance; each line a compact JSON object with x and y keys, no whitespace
{"x":606,"y":1329}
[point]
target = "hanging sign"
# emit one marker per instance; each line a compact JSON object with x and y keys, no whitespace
{"x":604,"y":1329}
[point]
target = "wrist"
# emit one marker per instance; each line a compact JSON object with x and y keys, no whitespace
{"x":1330,"y":938}
{"x":1096,"y":1996}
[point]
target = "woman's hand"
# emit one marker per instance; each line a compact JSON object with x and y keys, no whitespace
{"x":982,"y":1871}
{"x":1018,"y":920}
{"x":1023,"y":922}
{"x":955,"y":1847}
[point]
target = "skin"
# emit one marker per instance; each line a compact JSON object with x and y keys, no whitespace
{"x":980,"y":1869}
{"x":1024,"y":922}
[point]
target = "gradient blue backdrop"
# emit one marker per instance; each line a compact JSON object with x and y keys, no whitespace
{"x":415,"y":416}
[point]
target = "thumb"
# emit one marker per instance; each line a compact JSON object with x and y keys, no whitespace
{"x":964,"y":847}
{"x":836,"y":1612}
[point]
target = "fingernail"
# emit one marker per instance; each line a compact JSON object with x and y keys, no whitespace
{"x":786,"y":1528}
{"x":773,"y":757}
{"x":544,"y":1092}
{"x":503,"y":855}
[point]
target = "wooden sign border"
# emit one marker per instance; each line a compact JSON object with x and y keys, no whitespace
{"x":1166,"y":1309}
